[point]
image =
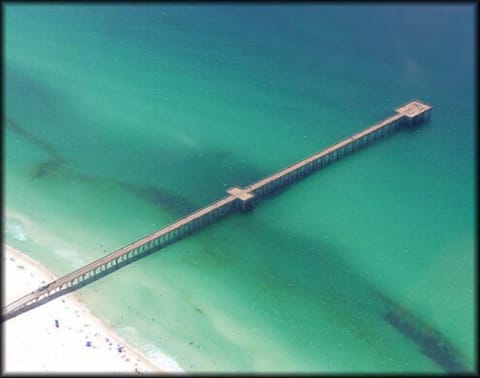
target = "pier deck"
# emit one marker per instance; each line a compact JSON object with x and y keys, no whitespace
{"x":409,"y":114}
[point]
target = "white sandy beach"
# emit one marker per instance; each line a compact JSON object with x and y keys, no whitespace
{"x":80,"y":343}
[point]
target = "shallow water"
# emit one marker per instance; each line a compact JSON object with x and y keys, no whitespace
{"x":119,"y":119}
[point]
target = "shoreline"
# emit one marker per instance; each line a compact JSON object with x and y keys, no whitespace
{"x":62,"y":335}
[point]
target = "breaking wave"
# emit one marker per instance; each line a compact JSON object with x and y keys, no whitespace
{"x":16,"y":230}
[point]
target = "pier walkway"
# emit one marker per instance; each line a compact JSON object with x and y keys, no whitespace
{"x":409,"y":114}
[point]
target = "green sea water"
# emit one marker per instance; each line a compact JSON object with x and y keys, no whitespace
{"x":120,"y":119}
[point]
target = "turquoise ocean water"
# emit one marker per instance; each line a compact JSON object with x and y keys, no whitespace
{"x":120,"y":119}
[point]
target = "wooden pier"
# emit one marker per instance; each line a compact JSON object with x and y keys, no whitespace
{"x":409,"y":114}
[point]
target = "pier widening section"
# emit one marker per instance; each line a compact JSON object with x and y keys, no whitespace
{"x":409,"y":114}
